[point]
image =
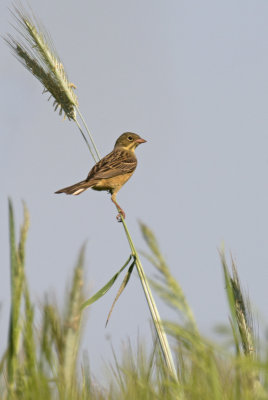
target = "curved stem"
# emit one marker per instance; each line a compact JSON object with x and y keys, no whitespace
{"x":85,"y":139}
{"x":89,"y":134}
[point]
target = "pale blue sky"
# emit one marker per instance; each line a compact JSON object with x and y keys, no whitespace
{"x":191,"y":78}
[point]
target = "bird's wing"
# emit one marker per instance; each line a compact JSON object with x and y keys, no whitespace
{"x":118,"y":162}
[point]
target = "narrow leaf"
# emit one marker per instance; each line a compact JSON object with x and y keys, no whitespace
{"x":17,"y":282}
{"x":122,"y":287}
{"x":105,"y":288}
{"x":72,"y":324}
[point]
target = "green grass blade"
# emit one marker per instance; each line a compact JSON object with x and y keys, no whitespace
{"x":121,"y":289}
{"x":50,"y":339}
{"x":72,"y":325}
{"x":29,"y":347}
{"x":168,"y":288}
{"x":228,"y":286}
{"x":105,"y":288}
{"x":17,"y":280}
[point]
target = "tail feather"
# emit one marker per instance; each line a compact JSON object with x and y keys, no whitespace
{"x":75,"y":189}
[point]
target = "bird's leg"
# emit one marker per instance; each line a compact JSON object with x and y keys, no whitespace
{"x":121,"y":212}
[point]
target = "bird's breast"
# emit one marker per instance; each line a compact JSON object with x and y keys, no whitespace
{"x":112,"y":184}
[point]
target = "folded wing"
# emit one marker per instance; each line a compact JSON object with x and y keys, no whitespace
{"x":116,"y":163}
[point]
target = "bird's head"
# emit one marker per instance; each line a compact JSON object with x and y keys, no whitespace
{"x":128,"y":141}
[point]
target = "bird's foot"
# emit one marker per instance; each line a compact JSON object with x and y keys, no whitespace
{"x":119,"y":209}
{"x":120,"y":215}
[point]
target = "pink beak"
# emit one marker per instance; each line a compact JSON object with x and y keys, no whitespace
{"x":140,"y":140}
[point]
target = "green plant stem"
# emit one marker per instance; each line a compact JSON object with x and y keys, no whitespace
{"x":152,"y":306}
{"x":89,"y":134}
{"x":85,"y":139}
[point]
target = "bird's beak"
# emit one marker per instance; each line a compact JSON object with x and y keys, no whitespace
{"x":140,"y":140}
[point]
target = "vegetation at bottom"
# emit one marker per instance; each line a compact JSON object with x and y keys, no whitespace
{"x":44,"y":362}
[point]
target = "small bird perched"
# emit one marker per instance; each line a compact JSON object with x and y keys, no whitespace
{"x":112,"y":171}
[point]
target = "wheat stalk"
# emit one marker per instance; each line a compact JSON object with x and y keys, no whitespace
{"x":243,"y":314}
{"x":37,"y":55}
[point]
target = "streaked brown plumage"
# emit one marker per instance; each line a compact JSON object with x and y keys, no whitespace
{"x":112,"y":171}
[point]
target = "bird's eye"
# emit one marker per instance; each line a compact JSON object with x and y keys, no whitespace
{"x":130,"y":138}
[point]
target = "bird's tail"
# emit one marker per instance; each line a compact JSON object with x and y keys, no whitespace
{"x":75,"y":189}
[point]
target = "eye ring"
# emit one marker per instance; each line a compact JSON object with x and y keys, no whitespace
{"x":130,"y":138}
